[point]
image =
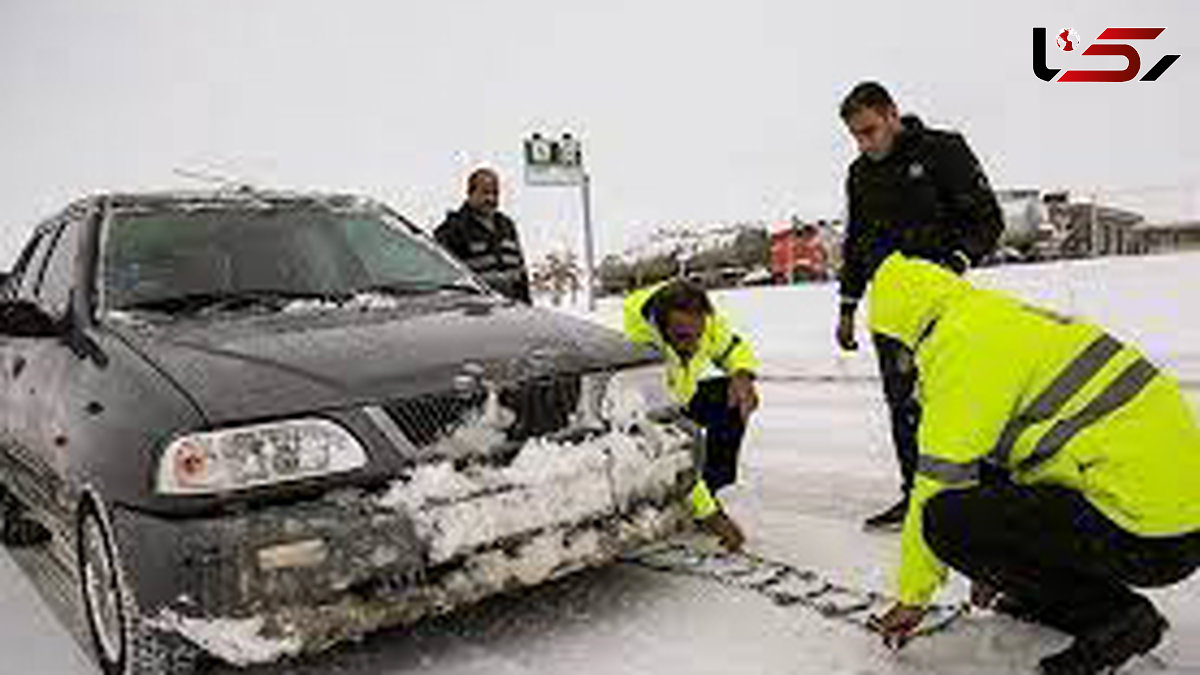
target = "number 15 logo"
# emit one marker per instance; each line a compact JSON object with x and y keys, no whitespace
{"x":1133,"y":59}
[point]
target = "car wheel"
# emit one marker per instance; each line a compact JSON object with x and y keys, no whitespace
{"x":123,"y":642}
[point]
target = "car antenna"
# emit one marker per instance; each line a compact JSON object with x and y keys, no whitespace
{"x":213,"y":178}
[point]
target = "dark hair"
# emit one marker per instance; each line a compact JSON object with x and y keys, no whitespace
{"x":865,"y":95}
{"x":682,"y":295}
{"x":478,"y":175}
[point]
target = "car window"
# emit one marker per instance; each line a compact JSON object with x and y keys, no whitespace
{"x":29,"y":272}
{"x":390,"y":256}
{"x":306,"y":257}
{"x":152,"y":255}
{"x":54,"y":291}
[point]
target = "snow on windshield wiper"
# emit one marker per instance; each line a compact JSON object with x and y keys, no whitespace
{"x":410,"y":288}
{"x":193,"y":303}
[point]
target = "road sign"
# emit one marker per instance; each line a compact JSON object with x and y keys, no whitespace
{"x":553,"y":161}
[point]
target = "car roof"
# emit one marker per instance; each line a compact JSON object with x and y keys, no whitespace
{"x":241,"y":196}
{"x":233,"y":197}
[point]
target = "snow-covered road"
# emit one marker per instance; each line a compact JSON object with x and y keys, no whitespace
{"x":816,"y":462}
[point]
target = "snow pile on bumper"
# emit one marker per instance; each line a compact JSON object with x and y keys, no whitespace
{"x":548,"y":484}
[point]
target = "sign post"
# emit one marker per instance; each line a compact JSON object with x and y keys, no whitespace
{"x":559,"y":162}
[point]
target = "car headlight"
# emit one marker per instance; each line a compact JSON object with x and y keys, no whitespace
{"x":241,"y":457}
{"x":624,"y":397}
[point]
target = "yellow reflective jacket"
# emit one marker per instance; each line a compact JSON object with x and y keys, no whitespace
{"x":719,"y":346}
{"x":1050,"y":399}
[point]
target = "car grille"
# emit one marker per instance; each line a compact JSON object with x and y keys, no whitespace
{"x":426,"y":419}
{"x":540,"y":407}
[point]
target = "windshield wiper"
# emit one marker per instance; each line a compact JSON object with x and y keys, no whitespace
{"x":410,"y":288}
{"x":194,"y":303}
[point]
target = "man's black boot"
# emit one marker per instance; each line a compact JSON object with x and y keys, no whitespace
{"x":1109,"y":645}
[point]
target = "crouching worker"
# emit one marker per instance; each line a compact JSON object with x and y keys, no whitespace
{"x":677,"y":318}
{"x":1057,"y":467}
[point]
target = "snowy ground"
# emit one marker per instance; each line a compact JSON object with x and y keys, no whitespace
{"x":816,"y":462}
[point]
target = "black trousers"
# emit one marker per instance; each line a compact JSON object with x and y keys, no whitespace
{"x":723,"y":431}
{"x":1048,"y":548}
{"x":899,"y":373}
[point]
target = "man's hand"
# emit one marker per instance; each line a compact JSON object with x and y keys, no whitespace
{"x":845,"y":330}
{"x":742,"y":394}
{"x":898,"y":624}
{"x":726,"y":530}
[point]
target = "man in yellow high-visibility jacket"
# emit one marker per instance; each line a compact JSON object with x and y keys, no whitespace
{"x":677,"y":318}
{"x":1058,"y":468}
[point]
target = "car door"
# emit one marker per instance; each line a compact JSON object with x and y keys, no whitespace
{"x":40,"y":372}
{"x":21,"y":285}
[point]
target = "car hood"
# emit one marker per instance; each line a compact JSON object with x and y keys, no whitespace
{"x":243,"y":368}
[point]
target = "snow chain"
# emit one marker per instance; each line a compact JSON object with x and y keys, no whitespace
{"x":784,"y":585}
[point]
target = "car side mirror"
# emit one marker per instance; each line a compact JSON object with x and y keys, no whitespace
{"x":21,"y":318}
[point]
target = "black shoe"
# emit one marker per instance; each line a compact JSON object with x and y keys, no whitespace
{"x":890,"y":520}
{"x":1108,"y":646}
{"x":21,"y":532}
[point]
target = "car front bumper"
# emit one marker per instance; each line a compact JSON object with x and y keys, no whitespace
{"x":278,"y":581}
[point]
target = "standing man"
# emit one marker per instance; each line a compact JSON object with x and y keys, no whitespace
{"x":1057,"y":467}
{"x":485,"y":239}
{"x":919,"y":191}
{"x":677,"y":318}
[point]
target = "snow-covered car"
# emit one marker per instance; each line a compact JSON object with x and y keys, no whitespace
{"x":257,"y":424}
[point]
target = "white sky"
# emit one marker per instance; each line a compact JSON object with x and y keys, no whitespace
{"x":691,"y":111}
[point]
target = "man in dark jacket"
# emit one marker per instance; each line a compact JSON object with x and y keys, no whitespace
{"x":485,"y":239}
{"x":921,"y":192}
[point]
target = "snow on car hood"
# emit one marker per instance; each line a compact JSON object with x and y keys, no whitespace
{"x":284,"y":363}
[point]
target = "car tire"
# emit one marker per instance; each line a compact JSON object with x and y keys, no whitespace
{"x":122,"y":640}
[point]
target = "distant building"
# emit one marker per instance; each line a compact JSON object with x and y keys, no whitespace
{"x":1165,"y":237}
{"x":1094,"y":230}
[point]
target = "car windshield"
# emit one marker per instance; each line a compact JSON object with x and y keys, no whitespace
{"x":175,"y":260}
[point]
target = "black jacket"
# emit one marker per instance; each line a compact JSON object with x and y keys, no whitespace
{"x":928,"y":198}
{"x":493,"y":254}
